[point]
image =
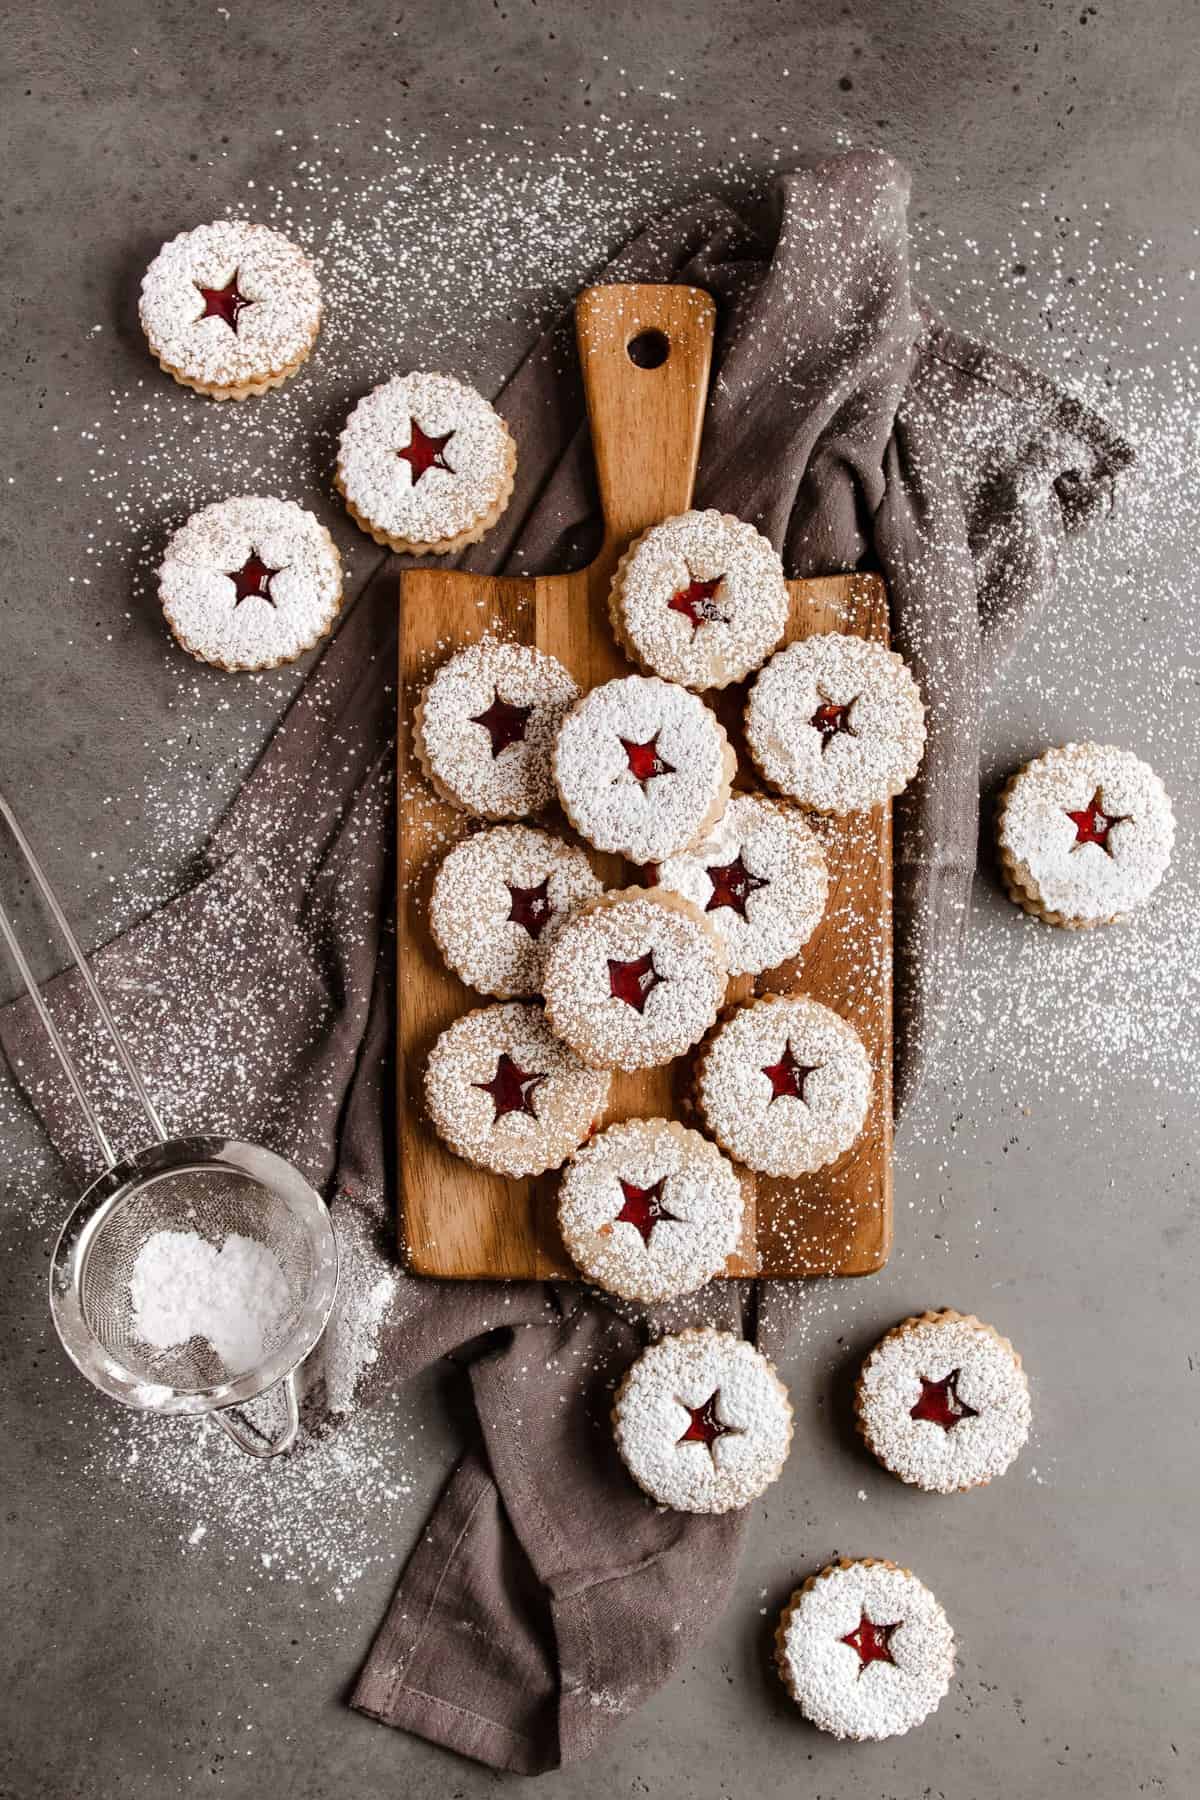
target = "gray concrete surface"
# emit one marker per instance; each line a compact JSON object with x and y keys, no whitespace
{"x":1044,"y":1187}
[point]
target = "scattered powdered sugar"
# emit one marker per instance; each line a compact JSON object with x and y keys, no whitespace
{"x":1045,"y":854}
{"x":680,"y":1374}
{"x":499,"y":901}
{"x":725,"y":634}
{"x":235,"y":1295}
{"x":685,"y":1238}
{"x":874,"y":754}
{"x":272,"y":331}
{"x":499,"y":769}
{"x":781,"y":886}
{"x":292,"y":605}
{"x":1073,"y":1022}
{"x":828,"y":1679}
{"x":503,"y":1091}
{"x":988,"y":1384}
{"x":456,"y":491}
{"x":658,"y":797}
{"x":807,"y":1115}
{"x":674,"y":965}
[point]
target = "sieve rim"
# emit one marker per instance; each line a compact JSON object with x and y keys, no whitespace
{"x":87,"y":1220}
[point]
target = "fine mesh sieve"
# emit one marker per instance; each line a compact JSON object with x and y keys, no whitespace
{"x":212,"y":1188}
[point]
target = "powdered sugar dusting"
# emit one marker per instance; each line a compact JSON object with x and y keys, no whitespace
{"x":273,"y":329}
{"x":254,"y":631}
{"x":784,"y":873}
{"x":460,"y":754}
{"x":681,"y":972}
{"x":877,"y":753}
{"x":699,"y":1192}
{"x":787,"y":1133}
{"x":730,"y":631}
{"x":653,"y":815}
{"x":555,"y":1103}
{"x":443,"y":501}
{"x":1041,"y":843}
{"x":499,"y":901}
{"x":827,"y":1678}
{"x":989,"y":1384}
{"x":651,"y":1414}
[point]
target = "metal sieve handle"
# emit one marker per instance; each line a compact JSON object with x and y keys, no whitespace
{"x":64,"y":1056}
{"x":255,"y":1445}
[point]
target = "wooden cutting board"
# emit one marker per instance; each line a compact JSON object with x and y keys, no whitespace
{"x":460,"y":1221}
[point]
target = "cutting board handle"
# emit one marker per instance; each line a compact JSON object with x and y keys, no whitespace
{"x":646,"y":352}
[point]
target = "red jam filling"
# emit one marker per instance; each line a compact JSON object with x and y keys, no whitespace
{"x":704,"y":1427}
{"x":732,"y":885}
{"x":423,"y":453}
{"x":511,"y":1088}
{"x":1093,"y":824}
{"x":940,"y":1404}
{"x":644,"y":761}
{"x":531,"y":907}
{"x":830,"y":719}
{"x":224,"y":303}
{"x":634,"y":982}
{"x":503,"y":723}
{"x":787,"y":1077}
{"x":643,"y":1208}
{"x":873,"y":1642}
{"x":253,"y":580}
{"x":696,"y":603}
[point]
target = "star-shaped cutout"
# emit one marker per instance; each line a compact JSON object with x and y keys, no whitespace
{"x":644,"y":761}
{"x":253,"y":580}
{"x":704,"y":1427}
{"x":423,"y":453}
{"x":511,"y":1088}
{"x":224,"y":303}
{"x":1093,"y":825}
{"x":873,"y":1642}
{"x":696,"y":602}
{"x":531,"y":907}
{"x":940,"y":1404}
{"x":643,"y":1208}
{"x":634,"y":982}
{"x":732,"y":885}
{"x":503,"y":723}
{"x":788,"y":1076}
{"x":830,"y":719}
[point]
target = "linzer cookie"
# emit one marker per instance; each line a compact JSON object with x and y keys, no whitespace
{"x":504,"y":1092}
{"x":250,"y":583}
{"x":836,"y":722}
{"x":699,"y":599}
{"x":485,"y":725}
{"x":634,"y":979}
{"x":702,"y":1422}
{"x":784,"y":1084}
{"x":425,"y":464}
{"x":943,"y":1402}
{"x":642,"y":767}
{"x":759,"y":877}
{"x":499,"y":900}
{"x":649,"y":1210}
{"x":1085,"y":835}
{"x":230,"y":309}
{"x":865,"y":1650}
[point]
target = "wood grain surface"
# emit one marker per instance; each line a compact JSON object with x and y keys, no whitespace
{"x":460,"y":1221}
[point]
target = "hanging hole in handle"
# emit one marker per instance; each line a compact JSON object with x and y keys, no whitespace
{"x":649,"y":349}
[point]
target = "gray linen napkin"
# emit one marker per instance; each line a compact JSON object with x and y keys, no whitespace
{"x":547,"y":1598}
